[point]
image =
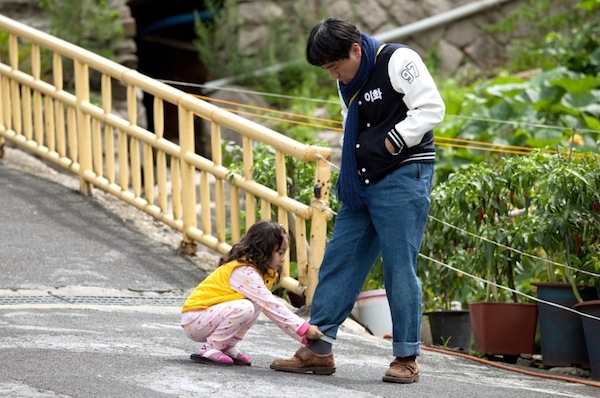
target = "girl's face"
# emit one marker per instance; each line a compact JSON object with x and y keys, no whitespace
{"x":279,"y":255}
{"x":344,"y":70}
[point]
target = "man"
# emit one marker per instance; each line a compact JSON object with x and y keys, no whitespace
{"x":390,"y":104}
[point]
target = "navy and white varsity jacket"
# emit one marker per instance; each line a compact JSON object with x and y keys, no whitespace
{"x":400,"y":101}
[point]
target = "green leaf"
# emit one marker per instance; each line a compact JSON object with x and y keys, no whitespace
{"x":592,"y":122}
{"x":575,"y":85}
{"x":577,"y":175}
{"x":595,"y":57}
{"x":505,"y":88}
{"x":588,"y":101}
{"x":547,"y":96}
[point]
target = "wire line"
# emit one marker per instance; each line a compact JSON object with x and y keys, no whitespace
{"x":308,"y":99}
{"x":513,"y":249}
{"x":477,"y":278}
{"x":454,"y":142}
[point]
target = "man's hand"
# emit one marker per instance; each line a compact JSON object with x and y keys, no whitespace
{"x":389,"y":146}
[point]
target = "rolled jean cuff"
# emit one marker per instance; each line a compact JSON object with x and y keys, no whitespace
{"x":406,"y":349}
{"x":328,"y":339}
{"x":329,"y":331}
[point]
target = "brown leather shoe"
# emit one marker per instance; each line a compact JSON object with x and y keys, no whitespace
{"x":402,"y":370}
{"x":306,"y":361}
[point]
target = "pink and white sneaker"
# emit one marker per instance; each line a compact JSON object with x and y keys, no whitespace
{"x":212,"y":356}
{"x":238,"y":357}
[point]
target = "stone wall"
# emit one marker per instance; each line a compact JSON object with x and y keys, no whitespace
{"x":463,"y":47}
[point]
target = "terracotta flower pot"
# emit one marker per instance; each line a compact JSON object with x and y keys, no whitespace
{"x":503,"y":328}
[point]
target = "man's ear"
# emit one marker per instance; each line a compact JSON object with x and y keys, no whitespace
{"x":356,"y":50}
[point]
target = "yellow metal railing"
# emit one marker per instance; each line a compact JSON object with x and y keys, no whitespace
{"x":115,"y":153}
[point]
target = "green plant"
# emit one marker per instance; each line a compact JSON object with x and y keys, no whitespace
{"x":216,"y":48}
{"x":485,"y":203}
{"x":579,"y":50}
{"x":543,"y":111}
{"x":442,"y":285}
{"x":472,"y":204}
{"x":90,"y":24}
{"x":539,"y":205}
{"x":528,"y":27}
{"x":300,"y":175}
{"x":568,"y":218}
{"x":446,"y":341}
{"x":564,"y":47}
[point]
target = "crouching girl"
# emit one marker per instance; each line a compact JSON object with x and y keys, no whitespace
{"x":224,"y":306}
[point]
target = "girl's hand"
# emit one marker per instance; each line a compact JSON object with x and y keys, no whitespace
{"x":313,"y":333}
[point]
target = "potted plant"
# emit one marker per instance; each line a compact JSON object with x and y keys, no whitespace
{"x":487,"y":204}
{"x":445,"y":291}
{"x":591,"y":264}
{"x":568,"y":227}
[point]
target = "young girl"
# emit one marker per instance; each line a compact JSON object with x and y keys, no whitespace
{"x":226,"y":304}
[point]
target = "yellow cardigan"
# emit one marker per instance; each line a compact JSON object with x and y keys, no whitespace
{"x":215,"y":288}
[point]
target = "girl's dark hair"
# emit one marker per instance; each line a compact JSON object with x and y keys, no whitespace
{"x":258,"y":244}
{"x":330,"y":40}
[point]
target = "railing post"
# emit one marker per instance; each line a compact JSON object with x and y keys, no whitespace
{"x":318,"y":226}
{"x":188,"y":185}
{"x":84,"y":139}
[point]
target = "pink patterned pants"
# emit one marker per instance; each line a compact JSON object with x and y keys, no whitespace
{"x":223,"y":325}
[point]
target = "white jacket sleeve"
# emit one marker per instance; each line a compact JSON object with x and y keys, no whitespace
{"x":409,"y":76}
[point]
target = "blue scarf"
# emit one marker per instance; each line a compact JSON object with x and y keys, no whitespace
{"x":348,"y":187}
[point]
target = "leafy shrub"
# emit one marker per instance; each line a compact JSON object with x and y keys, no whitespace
{"x":300,"y":175}
{"x":546,"y":110}
{"x":90,"y":24}
{"x":541,"y":205}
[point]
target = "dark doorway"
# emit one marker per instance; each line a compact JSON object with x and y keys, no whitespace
{"x":165,"y":49}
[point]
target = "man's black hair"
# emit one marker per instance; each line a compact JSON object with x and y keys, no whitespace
{"x":330,"y":40}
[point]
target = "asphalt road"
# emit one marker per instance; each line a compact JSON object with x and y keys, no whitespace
{"x":90,"y":307}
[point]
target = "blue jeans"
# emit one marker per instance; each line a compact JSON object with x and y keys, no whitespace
{"x":393,"y":225}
